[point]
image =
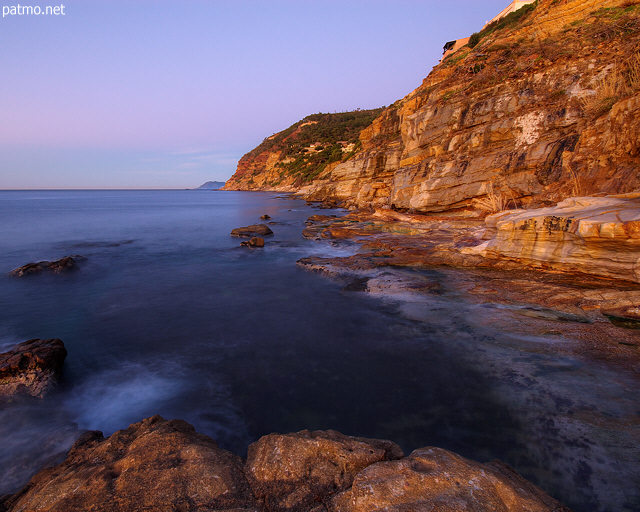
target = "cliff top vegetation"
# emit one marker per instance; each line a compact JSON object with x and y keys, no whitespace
{"x":309,"y":145}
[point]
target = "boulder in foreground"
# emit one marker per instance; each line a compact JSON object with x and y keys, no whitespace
{"x":436,"y":479}
{"x":152,"y":465}
{"x":167,"y":466}
{"x":57,"y":266}
{"x":253,"y":230}
{"x":32,"y":367}
{"x":299,"y":471}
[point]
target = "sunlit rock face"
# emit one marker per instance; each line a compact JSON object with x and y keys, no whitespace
{"x":594,"y":235}
{"x":166,"y":465}
{"x":151,"y":465}
{"x":289,"y":472}
{"x":508,"y":115}
{"x":436,"y":479}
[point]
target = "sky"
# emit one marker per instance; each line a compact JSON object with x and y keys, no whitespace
{"x":170,"y":94}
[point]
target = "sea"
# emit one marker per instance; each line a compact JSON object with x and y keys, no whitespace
{"x":167,"y":314}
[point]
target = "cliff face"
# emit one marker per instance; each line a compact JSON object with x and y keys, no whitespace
{"x":541,"y":109}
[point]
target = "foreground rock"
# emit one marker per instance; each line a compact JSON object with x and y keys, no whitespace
{"x":57,"y":266}
{"x":166,"y":465}
{"x":436,"y":479}
{"x":31,"y":368}
{"x":300,"y":471}
{"x":253,"y":230}
{"x":152,"y":465}
{"x":256,"y":241}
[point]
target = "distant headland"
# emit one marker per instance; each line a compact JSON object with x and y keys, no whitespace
{"x":211,"y":185}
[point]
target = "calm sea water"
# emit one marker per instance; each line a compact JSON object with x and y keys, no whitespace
{"x":168,"y":315}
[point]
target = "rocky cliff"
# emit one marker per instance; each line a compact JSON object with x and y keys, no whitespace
{"x":544,"y":106}
{"x":306,"y":151}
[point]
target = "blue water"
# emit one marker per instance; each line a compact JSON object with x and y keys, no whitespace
{"x":168,"y":315}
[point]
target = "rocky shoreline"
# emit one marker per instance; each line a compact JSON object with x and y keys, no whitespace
{"x":166,"y":465}
{"x":555,"y":264}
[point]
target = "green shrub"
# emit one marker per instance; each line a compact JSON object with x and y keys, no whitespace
{"x":326,"y":130}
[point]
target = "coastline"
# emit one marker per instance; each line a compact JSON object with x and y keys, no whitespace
{"x":477,"y":319}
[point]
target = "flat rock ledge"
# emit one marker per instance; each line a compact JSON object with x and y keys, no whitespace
{"x":166,"y":465}
{"x":31,"y":368}
{"x":255,"y":230}
{"x":58,"y":266}
{"x":593,"y":235}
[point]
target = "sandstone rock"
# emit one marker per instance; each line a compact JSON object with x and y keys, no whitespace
{"x":57,"y":266}
{"x":254,"y":242}
{"x":152,"y":465}
{"x":31,"y":368}
{"x":627,"y":317}
{"x":436,"y":479}
{"x":303,"y":470}
{"x":265,"y":217}
{"x":252,"y":231}
{"x":594,"y":235}
{"x":166,"y":466}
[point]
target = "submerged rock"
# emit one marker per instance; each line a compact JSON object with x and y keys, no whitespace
{"x":31,"y":368}
{"x":256,"y":241}
{"x":252,"y":231}
{"x":152,"y":465}
{"x":57,"y":266}
{"x":265,"y":217}
{"x":166,"y":465}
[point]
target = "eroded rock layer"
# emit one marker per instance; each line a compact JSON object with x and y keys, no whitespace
{"x":594,"y":235}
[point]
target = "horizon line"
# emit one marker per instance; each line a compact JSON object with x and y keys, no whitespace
{"x":102,"y":188}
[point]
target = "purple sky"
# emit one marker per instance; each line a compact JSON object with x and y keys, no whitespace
{"x":157,"y":94}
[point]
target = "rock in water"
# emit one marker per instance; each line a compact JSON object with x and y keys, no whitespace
{"x":256,"y":241}
{"x":436,"y":479}
{"x":152,"y":465}
{"x":166,"y":465}
{"x":57,"y":266}
{"x":265,"y":217}
{"x":298,"y":471}
{"x":32,"y":367}
{"x":253,"y":230}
